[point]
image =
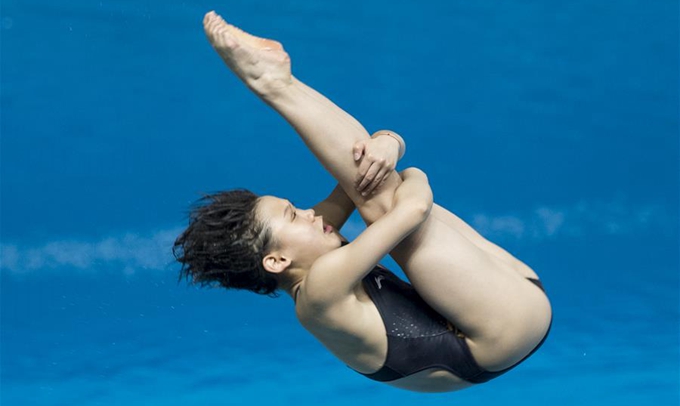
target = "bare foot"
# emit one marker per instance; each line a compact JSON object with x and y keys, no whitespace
{"x":260,"y":63}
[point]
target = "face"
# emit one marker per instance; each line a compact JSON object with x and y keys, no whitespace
{"x":299,"y":235}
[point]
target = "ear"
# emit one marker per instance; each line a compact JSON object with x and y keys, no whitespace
{"x":275,"y":262}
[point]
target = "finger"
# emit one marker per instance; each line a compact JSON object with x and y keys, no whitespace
{"x":370,"y":175}
{"x":377,"y":181}
{"x":358,"y":149}
{"x":365,"y":180}
{"x":361,"y":172}
{"x":380,"y":185}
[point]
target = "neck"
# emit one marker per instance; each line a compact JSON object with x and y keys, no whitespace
{"x":291,"y":281}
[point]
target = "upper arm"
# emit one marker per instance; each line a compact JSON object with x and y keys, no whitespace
{"x":336,"y":208}
{"x":334,"y":275}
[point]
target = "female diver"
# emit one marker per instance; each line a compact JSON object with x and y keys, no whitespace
{"x":472,"y":310}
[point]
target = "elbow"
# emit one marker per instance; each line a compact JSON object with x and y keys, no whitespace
{"x":421,"y":210}
{"x":427,"y":203}
{"x":424,"y":205}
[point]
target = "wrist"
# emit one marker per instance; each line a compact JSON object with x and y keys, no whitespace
{"x":400,"y":141}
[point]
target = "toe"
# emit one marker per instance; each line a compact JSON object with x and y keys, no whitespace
{"x":209,"y":18}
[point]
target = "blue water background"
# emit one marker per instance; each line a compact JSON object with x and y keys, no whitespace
{"x":552,"y":127}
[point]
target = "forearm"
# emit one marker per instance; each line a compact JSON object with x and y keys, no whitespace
{"x":336,"y":274}
{"x":413,"y":194}
{"x":336,"y":208}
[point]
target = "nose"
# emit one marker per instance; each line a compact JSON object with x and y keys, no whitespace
{"x":310,"y":213}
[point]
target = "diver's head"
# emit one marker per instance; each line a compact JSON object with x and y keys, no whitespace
{"x":300,"y":235}
{"x":236,"y":239}
{"x":225,"y":243}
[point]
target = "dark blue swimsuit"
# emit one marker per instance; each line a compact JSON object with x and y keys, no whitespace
{"x":418,"y":337}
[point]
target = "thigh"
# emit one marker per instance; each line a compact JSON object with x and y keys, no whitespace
{"x":482,"y":243}
{"x":502,"y":314}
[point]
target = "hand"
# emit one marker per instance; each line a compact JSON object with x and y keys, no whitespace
{"x":378,"y":157}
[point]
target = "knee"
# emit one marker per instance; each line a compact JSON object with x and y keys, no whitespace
{"x":375,"y":206}
{"x":372,"y":209}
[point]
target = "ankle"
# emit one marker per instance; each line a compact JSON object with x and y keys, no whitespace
{"x":277,"y":92}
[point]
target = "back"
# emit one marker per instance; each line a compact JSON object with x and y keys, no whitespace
{"x":351,"y":328}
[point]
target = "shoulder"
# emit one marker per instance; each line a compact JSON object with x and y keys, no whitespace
{"x":333,"y":319}
{"x":326,"y":283}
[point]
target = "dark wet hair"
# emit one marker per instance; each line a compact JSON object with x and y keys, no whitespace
{"x":225,"y":243}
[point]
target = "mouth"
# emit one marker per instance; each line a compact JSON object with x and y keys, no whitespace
{"x":327,"y":229}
